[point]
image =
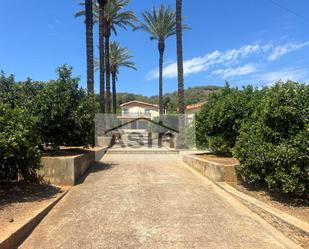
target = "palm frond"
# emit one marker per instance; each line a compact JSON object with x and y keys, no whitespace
{"x":119,"y":57}
{"x":114,"y":14}
{"x":160,"y":22}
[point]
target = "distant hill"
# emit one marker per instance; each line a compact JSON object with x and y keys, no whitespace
{"x":192,"y":95}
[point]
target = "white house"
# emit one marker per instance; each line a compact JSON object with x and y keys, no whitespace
{"x":138,"y":109}
{"x":191,"y":110}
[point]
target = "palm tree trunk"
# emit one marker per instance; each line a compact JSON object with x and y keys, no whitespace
{"x":114,"y":93}
{"x":161,"y":48}
{"x":89,"y":45}
{"x":102,"y":56}
{"x":108,"y":73}
{"x":181,"y":97}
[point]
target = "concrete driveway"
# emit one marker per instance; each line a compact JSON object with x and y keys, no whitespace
{"x":151,"y":201}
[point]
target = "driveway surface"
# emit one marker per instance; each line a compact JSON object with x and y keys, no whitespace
{"x":151,"y":201}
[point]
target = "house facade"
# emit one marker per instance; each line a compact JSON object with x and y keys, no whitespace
{"x":137,"y":109}
{"x":143,"y":111}
{"x":191,"y":110}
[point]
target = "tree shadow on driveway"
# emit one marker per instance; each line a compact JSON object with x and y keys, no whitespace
{"x":95,"y":168}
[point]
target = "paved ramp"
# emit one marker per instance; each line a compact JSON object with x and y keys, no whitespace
{"x":151,"y":201}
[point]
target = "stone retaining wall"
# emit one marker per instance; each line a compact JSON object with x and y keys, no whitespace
{"x":67,"y":170}
{"x":216,"y":172}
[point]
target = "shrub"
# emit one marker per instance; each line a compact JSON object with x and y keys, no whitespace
{"x":273,"y":146}
{"x":33,"y":113}
{"x":219,"y":122}
{"x":19,"y":142}
{"x":65,"y":112}
{"x":7,"y":89}
{"x":25,"y":93}
{"x":18,"y":94}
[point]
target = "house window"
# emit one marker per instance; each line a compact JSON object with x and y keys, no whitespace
{"x":147,"y":111}
{"x":125,"y":111}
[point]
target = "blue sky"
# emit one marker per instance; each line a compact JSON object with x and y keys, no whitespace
{"x":242,"y":41}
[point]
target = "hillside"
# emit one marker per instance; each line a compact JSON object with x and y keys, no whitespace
{"x":192,"y":95}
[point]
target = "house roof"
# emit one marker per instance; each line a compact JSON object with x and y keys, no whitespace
{"x":195,"y":106}
{"x":136,"y":102}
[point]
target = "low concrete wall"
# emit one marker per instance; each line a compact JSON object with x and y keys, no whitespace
{"x":104,"y":141}
{"x":216,"y":172}
{"x":66,"y":170}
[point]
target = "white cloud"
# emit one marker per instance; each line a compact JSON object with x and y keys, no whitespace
{"x":228,"y":59}
{"x":237,"y":71}
{"x":201,"y":64}
{"x":279,"y":51}
{"x":284,"y":75}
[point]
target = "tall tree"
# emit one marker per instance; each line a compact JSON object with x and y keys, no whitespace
{"x":119,"y":57}
{"x":88,"y":12}
{"x":114,"y":17}
{"x":181,"y":96}
{"x":102,"y":28}
{"x":160,"y":23}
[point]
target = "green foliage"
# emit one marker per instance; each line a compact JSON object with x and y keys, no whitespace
{"x":35,"y":113}
{"x":25,"y":93}
{"x":220,"y":119}
{"x":7,"y":89}
{"x":65,"y":112}
{"x":19,"y":142}
{"x":114,"y":13}
{"x":273,"y":146}
{"x":19,"y":139}
{"x":18,"y":94}
{"x":160,"y":23}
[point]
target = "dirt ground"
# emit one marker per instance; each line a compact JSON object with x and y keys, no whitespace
{"x":20,"y":201}
{"x":297,"y":207}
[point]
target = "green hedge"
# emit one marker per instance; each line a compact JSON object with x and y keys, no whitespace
{"x":273,"y":146}
{"x":266,"y":129}
{"x":65,"y":112}
{"x":218,"y":123}
{"x":19,"y":141}
{"x":36,"y":114}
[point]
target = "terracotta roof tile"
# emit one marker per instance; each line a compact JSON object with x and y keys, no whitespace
{"x":195,"y":106}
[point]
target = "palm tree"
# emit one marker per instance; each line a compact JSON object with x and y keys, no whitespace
{"x":160,"y":23}
{"x":114,"y":17}
{"x":181,"y":97}
{"x":119,"y":57}
{"x":102,"y":26}
{"x":88,"y":12}
{"x":181,"y":104}
{"x":97,"y":9}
